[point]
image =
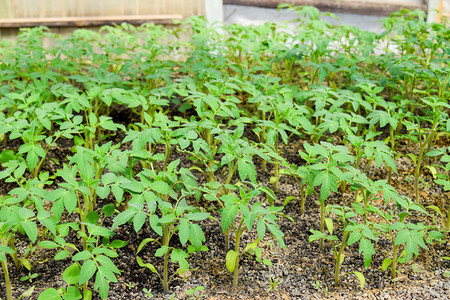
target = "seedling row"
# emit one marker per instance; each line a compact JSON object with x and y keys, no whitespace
{"x":166,"y":131}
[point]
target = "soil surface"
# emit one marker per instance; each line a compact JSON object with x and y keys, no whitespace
{"x":301,"y":270}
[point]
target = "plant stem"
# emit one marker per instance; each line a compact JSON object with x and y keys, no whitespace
{"x":236,"y":248}
{"x":7,"y":280}
{"x":276,"y":166}
{"x":227,"y":239}
{"x":338,"y":258}
{"x":302,"y":195}
{"x":447,"y":227}
{"x":394,"y":262}
{"x":12,"y":244}
{"x":322,"y":222}
{"x":423,"y":144}
{"x":166,"y":259}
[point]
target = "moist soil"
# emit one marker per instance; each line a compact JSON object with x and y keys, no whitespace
{"x":301,"y":269}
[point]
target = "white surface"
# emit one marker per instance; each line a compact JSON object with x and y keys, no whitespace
{"x":247,"y":15}
{"x":214,"y":11}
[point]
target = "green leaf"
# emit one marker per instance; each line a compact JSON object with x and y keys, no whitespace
{"x":366,"y":247}
{"x":102,"y":191}
{"x":329,"y":224}
{"x":251,"y":246}
{"x":232,"y":256}
{"x":30,"y":229}
{"x":386,"y":263}
{"x":261,"y":228}
{"x":183,"y":231}
{"x":49,"y":294}
{"x":71,"y":274}
{"x":161,"y":251}
{"x":48,"y":244}
{"x":155,"y":224}
{"x":70,"y":200}
{"x":63,"y":254}
{"x":161,"y":187}
{"x":196,"y":236}
{"x":361,"y":278}
{"x":197,"y":216}
{"x":108,"y":210}
{"x":101,"y":284}
{"x":83,"y":255}
{"x":107,"y":264}
{"x":123,"y":217}
{"x":143,"y":243}
{"x":246,"y":169}
{"x":228,"y":216}
{"x":5,"y":249}
{"x":25,"y":213}
{"x":139,"y":220}
{"x":72,"y":293}
{"x":87,"y":271}
{"x":267,"y":262}
{"x":180,"y":256}
{"x":146,"y":265}
{"x":275,"y":230}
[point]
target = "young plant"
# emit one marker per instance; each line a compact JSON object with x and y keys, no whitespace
{"x":237,"y":208}
{"x":419,"y":133}
{"x":328,"y":171}
{"x":406,"y":238}
{"x":352,"y":233}
{"x":94,"y":259}
{"x":443,"y":178}
{"x":164,"y":195}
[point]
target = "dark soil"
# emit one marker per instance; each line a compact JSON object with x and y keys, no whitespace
{"x":302,"y":270}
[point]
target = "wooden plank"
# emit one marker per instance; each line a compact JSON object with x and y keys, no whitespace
{"x":355,"y":7}
{"x":88,"y":21}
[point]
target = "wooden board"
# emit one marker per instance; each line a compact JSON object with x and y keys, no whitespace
{"x":88,"y":21}
{"x":356,"y":7}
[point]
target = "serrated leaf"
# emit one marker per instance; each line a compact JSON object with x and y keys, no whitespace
{"x":30,"y":229}
{"x":180,"y":256}
{"x":87,"y":271}
{"x":196,"y":236}
{"x":228,"y":215}
{"x":139,"y":220}
{"x":261,"y":228}
{"x":183,"y":231}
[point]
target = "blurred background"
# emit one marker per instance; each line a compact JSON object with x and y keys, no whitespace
{"x":63,"y":16}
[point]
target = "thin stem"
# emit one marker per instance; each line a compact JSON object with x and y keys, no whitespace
{"x":7,"y":280}
{"x":338,"y":258}
{"x":447,"y":227}
{"x":322,"y":222}
{"x":236,"y":248}
{"x":394,"y":262}
{"x":12,"y":244}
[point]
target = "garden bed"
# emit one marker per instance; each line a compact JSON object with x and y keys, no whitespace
{"x":247,"y":162}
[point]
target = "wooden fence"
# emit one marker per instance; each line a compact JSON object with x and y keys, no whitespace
{"x":75,"y":13}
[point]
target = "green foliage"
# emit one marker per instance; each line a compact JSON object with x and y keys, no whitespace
{"x":133,"y":125}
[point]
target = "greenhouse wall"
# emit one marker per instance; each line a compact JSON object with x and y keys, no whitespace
{"x":64,"y":16}
{"x":70,"y":8}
